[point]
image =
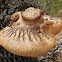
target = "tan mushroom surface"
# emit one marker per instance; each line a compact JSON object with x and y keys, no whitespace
{"x":29,"y":34}
{"x":56,"y":23}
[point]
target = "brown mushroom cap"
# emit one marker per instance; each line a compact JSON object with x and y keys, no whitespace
{"x":32,"y":15}
{"x":27,"y":39}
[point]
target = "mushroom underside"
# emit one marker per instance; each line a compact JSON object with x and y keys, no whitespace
{"x":31,"y":48}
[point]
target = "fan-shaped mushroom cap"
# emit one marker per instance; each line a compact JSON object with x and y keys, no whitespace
{"x":25,"y":38}
{"x":28,"y":43}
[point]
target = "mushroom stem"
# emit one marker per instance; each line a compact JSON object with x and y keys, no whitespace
{"x":32,"y":15}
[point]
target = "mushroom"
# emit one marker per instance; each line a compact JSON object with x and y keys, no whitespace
{"x":25,"y":36}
